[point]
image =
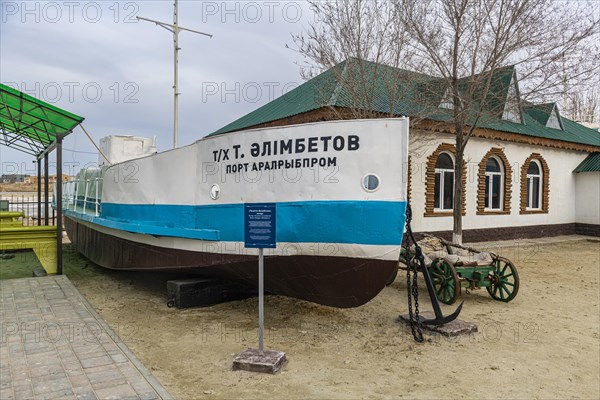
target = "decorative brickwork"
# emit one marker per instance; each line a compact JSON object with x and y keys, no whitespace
{"x":507,"y":178}
{"x":545,"y":184}
{"x":430,"y":182}
{"x":485,"y":133}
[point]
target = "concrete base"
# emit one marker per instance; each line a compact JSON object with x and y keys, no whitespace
{"x":251,"y":360}
{"x":454,"y":328}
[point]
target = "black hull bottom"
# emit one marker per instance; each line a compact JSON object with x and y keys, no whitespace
{"x":333,"y":281}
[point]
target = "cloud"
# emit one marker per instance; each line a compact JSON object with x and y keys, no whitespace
{"x":91,"y":58}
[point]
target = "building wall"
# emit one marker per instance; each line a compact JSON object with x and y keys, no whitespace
{"x":587,"y":195}
{"x":564,"y":186}
{"x":562,"y":203}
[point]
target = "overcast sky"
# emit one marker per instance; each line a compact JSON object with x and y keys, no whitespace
{"x":94,"y":59}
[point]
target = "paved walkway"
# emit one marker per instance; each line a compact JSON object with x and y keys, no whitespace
{"x":54,"y":345}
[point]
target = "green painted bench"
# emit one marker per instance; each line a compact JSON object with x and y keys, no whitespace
{"x":40,"y":239}
{"x":11,"y":218}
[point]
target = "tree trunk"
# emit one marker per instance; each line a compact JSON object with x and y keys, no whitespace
{"x":458,"y":192}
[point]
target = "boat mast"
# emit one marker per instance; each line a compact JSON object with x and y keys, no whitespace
{"x":175,"y":29}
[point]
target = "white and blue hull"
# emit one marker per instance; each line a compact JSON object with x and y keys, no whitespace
{"x":337,"y":241}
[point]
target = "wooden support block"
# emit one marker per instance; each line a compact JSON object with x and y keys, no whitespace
{"x":202,"y":292}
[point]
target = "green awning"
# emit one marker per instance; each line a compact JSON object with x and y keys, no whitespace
{"x":31,"y":125}
{"x":590,"y":164}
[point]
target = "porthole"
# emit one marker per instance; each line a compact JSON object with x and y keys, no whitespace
{"x":371,"y":182}
{"x":215,"y":192}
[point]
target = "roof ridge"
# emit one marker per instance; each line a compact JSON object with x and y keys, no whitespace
{"x":338,"y":84}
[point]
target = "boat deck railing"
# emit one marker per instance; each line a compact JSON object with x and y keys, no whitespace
{"x":83,"y":195}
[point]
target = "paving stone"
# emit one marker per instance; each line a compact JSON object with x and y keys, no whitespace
{"x":51,"y":377}
{"x":44,"y":358}
{"x":118,"y":358}
{"x":86,"y":396}
{"x":79,"y":380}
{"x":23,"y":392}
{"x":7,"y":394}
{"x":21,"y":381}
{"x":96,"y":361}
{"x":141,"y":387}
{"x":72,"y":367}
{"x":106,"y":380}
{"x":51,"y":386}
{"x":148,"y":396}
{"x":110,"y":383}
{"x":63,"y":394}
{"x":117,"y":393}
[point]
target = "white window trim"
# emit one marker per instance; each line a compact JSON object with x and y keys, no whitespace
{"x":443,"y":171}
{"x":540,"y":188}
{"x":489,"y":193}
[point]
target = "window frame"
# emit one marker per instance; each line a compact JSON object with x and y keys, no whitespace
{"x":430,"y":182}
{"x":544,"y":183}
{"x":442,"y":172}
{"x":529,"y":193}
{"x":489,"y":188}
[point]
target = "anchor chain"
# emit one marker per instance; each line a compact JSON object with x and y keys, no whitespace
{"x":411,"y":278}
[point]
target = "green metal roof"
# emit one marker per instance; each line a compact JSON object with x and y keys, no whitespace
{"x":590,"y":164}
{"x":395,"y":91}
{"x":539,"y":112}
{"x":29,"y":124}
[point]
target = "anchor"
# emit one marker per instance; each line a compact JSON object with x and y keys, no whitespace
{"x":439,"y":319}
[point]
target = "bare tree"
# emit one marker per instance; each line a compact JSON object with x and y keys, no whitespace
{"x":463,"y":43}
{"x":366,"y":35}
{"x":582,"y":104}
{"x":466,"y":41}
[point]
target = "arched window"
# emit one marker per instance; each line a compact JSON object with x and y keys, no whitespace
{"x":534,"y":186}
{"x":494,"y":184}
{"x":444,"y":183}
{"x":439,"y":182}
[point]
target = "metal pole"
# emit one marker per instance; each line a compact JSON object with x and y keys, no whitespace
{"x":175,"y":72}
{"x":59,"y":204}
{"x":175,"y":28}
{"x":261,"y":300}
{"x":46,"y":170}
{"x":39,"y":191}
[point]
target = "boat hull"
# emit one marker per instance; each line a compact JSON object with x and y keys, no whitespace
{"x":338,"y":189}
{"x":335,"y":281}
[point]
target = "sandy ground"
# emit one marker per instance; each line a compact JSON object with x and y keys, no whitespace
{"x":544,"y":344}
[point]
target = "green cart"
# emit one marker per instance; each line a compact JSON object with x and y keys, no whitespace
{"x":455,"y":267}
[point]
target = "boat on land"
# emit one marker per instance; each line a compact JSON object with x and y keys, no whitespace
{"x":340,"y":190}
